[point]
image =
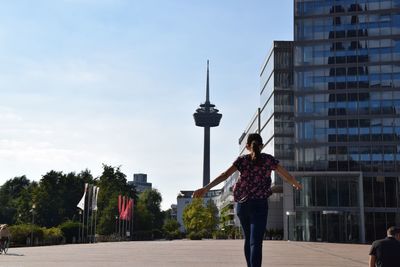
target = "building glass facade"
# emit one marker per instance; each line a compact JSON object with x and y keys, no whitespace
{"x":276,"y":120}
{"x":347,"y":98}
{"x":276,"y":104}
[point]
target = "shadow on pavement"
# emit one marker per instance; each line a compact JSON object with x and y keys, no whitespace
{"x":12,"y":254}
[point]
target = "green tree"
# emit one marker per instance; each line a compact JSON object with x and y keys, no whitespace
{"x":71,"y":189}
{"x":47,"y":200}
{"x":10,"y":198}
{"x":112,"y":183}
{"x":171,"y":229}
{"x":142,"y":218}
{"x":57,"y":195}
{"x":212,"y":215}
{"x":199,"y":219}
{"x":24,"y":204}
{"x":195,"y":217}
{"x":149,"y":207}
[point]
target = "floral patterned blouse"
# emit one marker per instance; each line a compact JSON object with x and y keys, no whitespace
{"x":255,"y":178}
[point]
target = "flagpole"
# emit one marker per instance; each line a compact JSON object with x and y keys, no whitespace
{"x":95,"y":220}
{"x":133,"y":203}
{"x":119,"y":227}
{"x":129,"y":226}
{"x":79,"y":227}
{"x":91,"y":226}
{"x":123,"y":229}
{"x":92,"y":220}
{"x":123,"y":217}
{"x":119,"y":216}
{"x":129,"y":219}
{"x":120,"y":220}
{"x":81,"y":206}
{"x":91,"y":217}
{"x":95,"y":208}
{"x":88,"y":212}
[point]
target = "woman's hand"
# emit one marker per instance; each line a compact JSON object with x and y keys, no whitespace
{"x":200,"y":192}
{"x":297,"y":186}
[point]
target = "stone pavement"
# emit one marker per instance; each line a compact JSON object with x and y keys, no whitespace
{"x":181,"y":253}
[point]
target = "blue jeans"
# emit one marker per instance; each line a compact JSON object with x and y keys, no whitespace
{"x":253,"y":217}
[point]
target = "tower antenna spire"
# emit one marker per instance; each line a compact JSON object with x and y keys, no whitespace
{"x":208,"y":84}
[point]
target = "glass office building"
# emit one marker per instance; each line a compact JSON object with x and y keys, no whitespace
{"x":347,"y":119}
{"x":276,"y":124}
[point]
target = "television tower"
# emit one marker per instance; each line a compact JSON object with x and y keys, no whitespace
{"x":207,"y":116}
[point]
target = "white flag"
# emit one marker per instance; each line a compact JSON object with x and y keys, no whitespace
{"x":94,"y":197}
{"x":95,"y":201}
{"x":81,"y":203}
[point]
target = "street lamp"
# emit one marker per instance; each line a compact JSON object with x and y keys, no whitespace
{"x":116,"y":225}
{"x":288,"y":214}
{"x":79,"y":227}
{"x":33,"y":222}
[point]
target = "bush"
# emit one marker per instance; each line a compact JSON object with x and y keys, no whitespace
{"x":274,"y":234}
{"x":70,"y":229}
{"x":157,"y":234}
{"x":195,"y":236}
{"x":21,"y":232}
{"x":171,"y":229}
{"x":108,"y":238}
{"x":52,"y":236}
{"x":173,"y":235}
{"x":220,"y":235}
{"x":142,"y":235}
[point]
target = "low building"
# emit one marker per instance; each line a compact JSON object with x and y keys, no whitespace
{"x":140,"y":182}
{"x":174,"y":208}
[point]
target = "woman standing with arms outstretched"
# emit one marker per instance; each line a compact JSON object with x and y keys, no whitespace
{"x":251,"y":193}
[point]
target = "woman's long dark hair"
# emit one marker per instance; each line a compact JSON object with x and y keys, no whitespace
{"x":255,"y":141}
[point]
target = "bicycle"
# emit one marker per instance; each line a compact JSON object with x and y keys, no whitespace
{"x":4,"y":245}
{"x":5,"y":237}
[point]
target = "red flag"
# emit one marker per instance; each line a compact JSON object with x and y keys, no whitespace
{"x":127,"y":211}
{"x":123,"y":207}
{"x":130,"y":209}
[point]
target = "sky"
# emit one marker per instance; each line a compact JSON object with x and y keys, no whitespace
{"x":91,"y":82}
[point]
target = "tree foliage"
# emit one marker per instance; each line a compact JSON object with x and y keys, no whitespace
{"x":171,"y":229}
{"x":200,"y":219}
{"x":56,"y":195}
{"x":112,"y":183}
{"x":16,"y":200}
{"x":149,"y":202}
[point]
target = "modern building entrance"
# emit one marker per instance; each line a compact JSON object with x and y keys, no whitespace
{"x":328,"y":209}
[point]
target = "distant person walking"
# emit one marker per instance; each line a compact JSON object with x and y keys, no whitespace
{"x":251,"y":193}
{"x":386,"y":252}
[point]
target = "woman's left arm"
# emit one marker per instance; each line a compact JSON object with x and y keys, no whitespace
{"x":288,"y":177}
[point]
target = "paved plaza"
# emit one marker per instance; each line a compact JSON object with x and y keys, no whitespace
{"x":181,"y":253}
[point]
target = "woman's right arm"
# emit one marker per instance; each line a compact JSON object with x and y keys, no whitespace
{"x":288,"y":177}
